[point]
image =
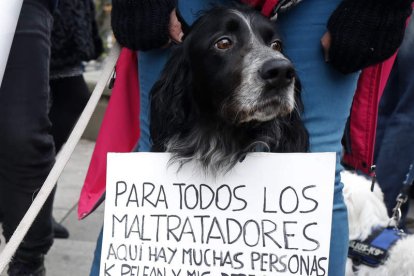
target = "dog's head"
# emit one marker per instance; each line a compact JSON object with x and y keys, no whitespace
{"x":228,"y":78}
{"x":239,"y":71}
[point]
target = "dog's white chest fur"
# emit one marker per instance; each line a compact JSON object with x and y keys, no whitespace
{"x":366,"y":210}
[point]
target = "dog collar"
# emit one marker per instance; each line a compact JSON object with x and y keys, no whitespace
{"x":374,"y":250}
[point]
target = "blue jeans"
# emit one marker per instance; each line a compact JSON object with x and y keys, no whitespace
{"x":327,"y":97}
{"x":394,"y":147}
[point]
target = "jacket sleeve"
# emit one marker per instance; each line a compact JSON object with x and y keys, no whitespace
{"x":366,"y":32}
{"x":141,"y":24}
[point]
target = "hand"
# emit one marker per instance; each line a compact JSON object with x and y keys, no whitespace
{"x":326,"y":45}
{"x":175,"y":30}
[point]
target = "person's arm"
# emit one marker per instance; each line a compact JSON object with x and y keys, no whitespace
{"x":142,"y":24}
{"x":365,"y":32}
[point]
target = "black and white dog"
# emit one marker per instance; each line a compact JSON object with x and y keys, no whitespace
{"x":227,"y":90}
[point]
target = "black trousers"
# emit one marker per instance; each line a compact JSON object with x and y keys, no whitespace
{"x":26,"y":146}
{"x":69,"y":97}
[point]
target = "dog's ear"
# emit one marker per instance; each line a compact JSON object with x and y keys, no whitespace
{"x":170,"y":97}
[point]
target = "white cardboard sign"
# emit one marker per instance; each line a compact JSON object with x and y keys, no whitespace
{"x":270,"y":215}
{"x":9,"y":15}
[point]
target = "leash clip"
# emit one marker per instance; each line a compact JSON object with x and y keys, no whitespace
{"x":396,"y":212}
{"x":374,"y":177}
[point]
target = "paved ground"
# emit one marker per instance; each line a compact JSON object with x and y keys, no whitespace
{"x":72,"y":257}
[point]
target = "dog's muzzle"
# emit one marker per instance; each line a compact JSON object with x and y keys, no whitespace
{"x":278,"y":73}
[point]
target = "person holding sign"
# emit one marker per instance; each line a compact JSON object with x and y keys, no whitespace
{"x":345,"y":27}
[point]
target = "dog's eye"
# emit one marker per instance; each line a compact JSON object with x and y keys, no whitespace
{"x":276,"y":45}
{"x":224,"y":44}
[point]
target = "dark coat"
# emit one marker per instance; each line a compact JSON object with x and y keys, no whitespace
{"x":75,"y":35}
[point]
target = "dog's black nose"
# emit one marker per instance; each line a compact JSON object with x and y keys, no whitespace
{"x":278,"y":72}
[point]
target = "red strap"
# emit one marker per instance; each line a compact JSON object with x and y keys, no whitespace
{"x":268,"y":7}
